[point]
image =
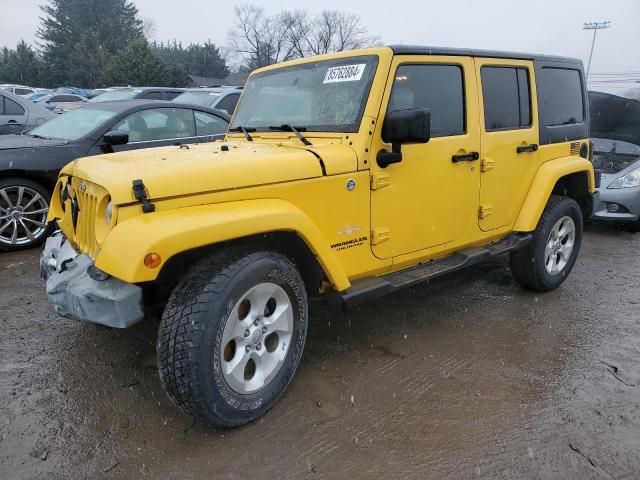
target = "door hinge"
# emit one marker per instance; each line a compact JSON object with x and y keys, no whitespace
{"x":380,"y":180}
{"x":486,"y":164}
{"x":484,"y":211}
{"x":380,"y":235}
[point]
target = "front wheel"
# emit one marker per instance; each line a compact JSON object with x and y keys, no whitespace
{"x":23,"y":214}
{"x":547,"y":261}
{"x":232,"y":335}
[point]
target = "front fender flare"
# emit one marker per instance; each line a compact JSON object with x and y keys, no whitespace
{"x":542,"y":187}
{"x":169,"y":233}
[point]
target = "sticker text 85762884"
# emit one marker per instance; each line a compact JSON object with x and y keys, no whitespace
{"x":345,"y":73}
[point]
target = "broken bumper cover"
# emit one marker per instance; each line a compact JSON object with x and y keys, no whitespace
{"x":75,"y":295}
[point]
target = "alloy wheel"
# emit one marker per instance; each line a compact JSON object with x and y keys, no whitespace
{"x":256,"y":338}
{"x":23,"y":215}
{"x":559,"y":245}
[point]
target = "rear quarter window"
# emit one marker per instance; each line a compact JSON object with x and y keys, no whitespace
{"x":562,"y":99}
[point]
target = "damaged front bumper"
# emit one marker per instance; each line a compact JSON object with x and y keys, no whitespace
{"x":74,"y":294}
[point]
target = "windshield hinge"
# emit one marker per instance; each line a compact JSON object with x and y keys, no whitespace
{"x":140,"y":193}
{"x":380,"y":180}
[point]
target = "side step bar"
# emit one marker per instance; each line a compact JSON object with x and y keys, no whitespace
{"x":369,"y":288}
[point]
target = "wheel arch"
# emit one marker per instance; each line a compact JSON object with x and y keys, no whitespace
{"x":270,"y":224}
{"x":570,"y":176}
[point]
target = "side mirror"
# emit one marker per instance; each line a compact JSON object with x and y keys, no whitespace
{"x":403,"y":126}
{"x":116,"y":138}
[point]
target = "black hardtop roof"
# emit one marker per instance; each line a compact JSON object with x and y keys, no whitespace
{"x":468,"y":52}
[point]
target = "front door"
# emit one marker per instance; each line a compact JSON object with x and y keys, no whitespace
{"x":430,"y":198}
{"x":509,"y":156}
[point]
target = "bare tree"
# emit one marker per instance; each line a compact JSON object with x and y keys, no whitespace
{"x":262,"y":39}
{"x":259,"y":38}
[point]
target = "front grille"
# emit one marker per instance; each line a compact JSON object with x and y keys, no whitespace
{"x":85,"y":227}
{"x":87,"y":197}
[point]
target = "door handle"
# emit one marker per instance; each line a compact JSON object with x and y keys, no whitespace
{"x":12,"y":122}
{"x":465,"y":157}
{"x":528,"y":148}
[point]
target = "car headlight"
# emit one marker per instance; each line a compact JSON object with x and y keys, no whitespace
{"x":108,"y":212}
{"x":631,"y":179}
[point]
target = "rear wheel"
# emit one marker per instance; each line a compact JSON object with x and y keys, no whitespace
{"x":547,"y":261}
{"x":232,"y":336}
{"x":23,"y":214}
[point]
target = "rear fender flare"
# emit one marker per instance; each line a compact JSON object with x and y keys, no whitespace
{"x":542,"y":187}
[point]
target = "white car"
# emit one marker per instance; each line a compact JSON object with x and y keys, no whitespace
{"x":18,"y":89}
{"x":221,"y":98}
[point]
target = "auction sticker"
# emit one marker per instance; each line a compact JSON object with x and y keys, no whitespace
{"x":345,"y":73}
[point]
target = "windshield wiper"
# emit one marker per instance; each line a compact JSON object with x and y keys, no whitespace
{"x":289,"y":128}
{"x":244,"y":130}
{"x":38,"y":136}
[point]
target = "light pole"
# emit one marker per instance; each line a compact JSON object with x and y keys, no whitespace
{"x":595,"y":26}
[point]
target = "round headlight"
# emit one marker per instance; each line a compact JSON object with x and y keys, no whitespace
{"x":108,"y":212}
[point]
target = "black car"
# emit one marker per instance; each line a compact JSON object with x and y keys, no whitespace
{"x":139,"y":93}
{"x":29,"y":164}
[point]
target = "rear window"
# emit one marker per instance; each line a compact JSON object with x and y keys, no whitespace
{"x":507,"y":101}
{"x":10,"y":107}
{"x":562,"y":102}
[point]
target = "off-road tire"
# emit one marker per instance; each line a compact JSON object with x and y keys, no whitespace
{"x":189,"y":340}
{"x":46,"y":195}
{"x":528,"y":263}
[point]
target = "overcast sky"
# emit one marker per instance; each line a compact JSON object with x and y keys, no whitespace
{"x":540,"y":26}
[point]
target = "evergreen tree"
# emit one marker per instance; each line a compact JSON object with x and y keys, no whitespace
{"x":79,"y":38}
{"x":139,"y":65}
{"x":21,"y":65}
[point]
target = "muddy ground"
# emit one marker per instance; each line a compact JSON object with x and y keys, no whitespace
{"x":466,"y":377}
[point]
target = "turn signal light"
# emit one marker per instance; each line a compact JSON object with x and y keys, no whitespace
{"x":152,"y":260}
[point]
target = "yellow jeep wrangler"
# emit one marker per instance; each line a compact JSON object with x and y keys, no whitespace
{"x":349,"y":175}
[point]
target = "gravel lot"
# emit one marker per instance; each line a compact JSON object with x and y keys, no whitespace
{"x":466,"y":377}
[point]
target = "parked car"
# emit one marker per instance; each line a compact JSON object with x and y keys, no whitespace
{"x":50,"y":102}
{"x":221,"y":98}
{"x":35,"y":96}
{"x":131,"y":93}
{"x":68,"y":106}
{"x":19,"y":115}
{"x":615,"y":132}
{"x":73,"y":91}
{"x":18,"y":89}
{"x":386,"y":167}
{"x":29,"y":164}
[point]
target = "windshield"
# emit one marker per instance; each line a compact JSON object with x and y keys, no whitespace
{"x":327,"y":96}
{"x":72,"y":125}
{"x":204,"y":98}
{"x":123,"y":94}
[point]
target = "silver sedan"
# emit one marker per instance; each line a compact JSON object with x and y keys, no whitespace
{"x":18,"y":115}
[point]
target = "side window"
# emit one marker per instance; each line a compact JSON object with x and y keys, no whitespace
{"x":228,"y":103}
{"x":158,"y":124}
{"x":153,"y":96}
{"x":171,"y":95}
{"x":209,"y":124}
{"x":562,"y":102}
{"x":12,"y":108}
{"x":507,"y":98}
{"x":440,"y":88}
{"x":23,"y":91}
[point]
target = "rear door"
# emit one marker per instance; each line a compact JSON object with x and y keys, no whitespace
{"x":13,"y":116}
{"x":509,"y":123}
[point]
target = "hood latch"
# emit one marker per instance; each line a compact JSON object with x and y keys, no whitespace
{"x":140,"y":193}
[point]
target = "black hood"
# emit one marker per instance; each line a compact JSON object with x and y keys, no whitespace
{"x":614,"y":117}
{"x":9,"y":142}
